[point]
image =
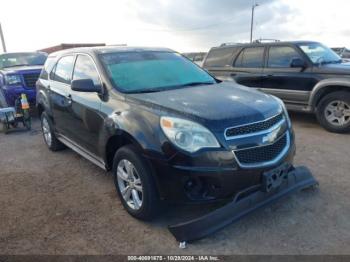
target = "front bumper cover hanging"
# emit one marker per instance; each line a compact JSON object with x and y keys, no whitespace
{"x":298,"y":179}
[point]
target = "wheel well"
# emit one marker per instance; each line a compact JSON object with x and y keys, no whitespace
{"x":41,"y":109}
{"x":327,"y":90}
{"x":116,"y":142}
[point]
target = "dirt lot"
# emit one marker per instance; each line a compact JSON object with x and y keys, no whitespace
{"x":60,"y":203}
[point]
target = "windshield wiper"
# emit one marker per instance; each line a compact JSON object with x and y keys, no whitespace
{"x":160,"y":89}
{"x":197,"y":83}
{"x":142,"y":91}
{"x":331,"y":62}
{"x":16,"y":65}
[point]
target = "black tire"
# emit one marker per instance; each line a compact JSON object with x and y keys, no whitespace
{"x":55,"y":144}
{"x":322,"y":108}
{"x":150,"y":200}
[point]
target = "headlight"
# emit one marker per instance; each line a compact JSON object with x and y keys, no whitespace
{"x":187,"y":135}
{"x":285,"y":111}
{"x":13,"y":79}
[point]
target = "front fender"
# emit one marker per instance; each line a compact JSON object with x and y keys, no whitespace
{"x":140,"y":126}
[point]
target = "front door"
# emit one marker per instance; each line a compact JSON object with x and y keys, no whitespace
{"x":87,"y":122}
{"x":293,"y":85}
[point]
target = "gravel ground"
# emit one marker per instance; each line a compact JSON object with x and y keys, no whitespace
{"x":60,"y":203}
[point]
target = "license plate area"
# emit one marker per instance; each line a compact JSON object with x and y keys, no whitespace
{"x":273,"y":179}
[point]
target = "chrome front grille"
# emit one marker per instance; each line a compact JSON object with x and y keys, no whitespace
{"x":260,"y":144}
{"x":263,"y":154}
{"x":253,"y":127}
{"x":30,"y":79}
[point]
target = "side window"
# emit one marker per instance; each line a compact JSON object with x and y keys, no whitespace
{"x":47,"y":67}
{"x":85,"y":69}
{"x":251,"y":57}
{"x":281,"y":56}
{"x":220,"y":56}
{"x":63,"y":70}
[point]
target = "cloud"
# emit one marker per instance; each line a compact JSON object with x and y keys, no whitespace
{"x":208,"y":22}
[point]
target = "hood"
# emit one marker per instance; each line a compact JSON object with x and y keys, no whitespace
{"x":22,"y":69}
{"x":338,"y":69}
{"x":216,"y":106}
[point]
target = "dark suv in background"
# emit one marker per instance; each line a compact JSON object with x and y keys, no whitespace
{"x":307,"y":76}
{"x":18,"y":75}
{"x":167,"y":129}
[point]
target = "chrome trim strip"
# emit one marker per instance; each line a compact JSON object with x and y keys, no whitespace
{"x":267,"y":163}
{"x":81,"y":151}
{"x":262,"y":132}
{"x":248,"y":124}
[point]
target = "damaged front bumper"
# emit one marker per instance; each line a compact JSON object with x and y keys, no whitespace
{"x":280,"y":183}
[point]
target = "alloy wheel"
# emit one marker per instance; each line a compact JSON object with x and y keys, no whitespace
{"x":337,"y":113}
{"x":46,"y":131}
{"x":129,"y":184}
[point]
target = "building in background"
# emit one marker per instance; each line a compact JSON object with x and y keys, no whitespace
{"x":197,"y":57}
{"x":343,"y":52}
{"x":67,"y":46}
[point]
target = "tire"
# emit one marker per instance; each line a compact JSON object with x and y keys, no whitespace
{"x":333,"y":112}
{"x":141,"y":176}
{"x":49,"y":136}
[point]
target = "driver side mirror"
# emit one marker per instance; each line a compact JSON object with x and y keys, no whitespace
{"x":84,"y":85}
{"x":297,"y":63}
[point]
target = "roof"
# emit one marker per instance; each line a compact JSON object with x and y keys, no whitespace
{"x":63,"y":46}
{"x":264,"y":43}
{"x":112,"y":49}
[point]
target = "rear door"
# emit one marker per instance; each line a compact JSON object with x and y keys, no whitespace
{"x":293,"y":85}
{"x":219,"y":62}
{"x":59,"y":92}
{"x":248,"y":66}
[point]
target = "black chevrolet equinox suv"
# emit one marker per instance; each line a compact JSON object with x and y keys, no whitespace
{"x":307,"y":76}
{"x":166,"y":128}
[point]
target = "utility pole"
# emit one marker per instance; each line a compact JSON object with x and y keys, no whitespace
{"x":2,"y":39}
{"x":252,"y":21}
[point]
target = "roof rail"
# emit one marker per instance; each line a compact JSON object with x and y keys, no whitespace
{"x":230,"y":43}
{"x":266,"y":40}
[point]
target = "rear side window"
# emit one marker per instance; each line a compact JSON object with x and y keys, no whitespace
{"x":251,"y":57}
{"x":63,"y":70}
{"x":47,"y":68}
{"x":220,"y":56}
{"x":85,"y":69}
{"x":281,"y":56}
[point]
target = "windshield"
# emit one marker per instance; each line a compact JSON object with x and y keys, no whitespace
{"x":320,"y":54}
{"x":148,"y":71}
{"x":22,"y":59}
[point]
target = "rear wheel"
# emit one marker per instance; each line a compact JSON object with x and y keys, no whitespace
{"x":134,"y":183}
{"x":49,"y":136}
{"x":333,"y":112}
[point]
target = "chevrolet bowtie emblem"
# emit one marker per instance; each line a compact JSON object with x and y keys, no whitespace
{"x":271,"y":137}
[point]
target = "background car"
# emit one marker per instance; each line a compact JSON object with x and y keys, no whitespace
{"x":18,"y":74}
{"x":307,"y":76}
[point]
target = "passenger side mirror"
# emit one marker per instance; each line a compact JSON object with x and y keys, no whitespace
{"x":297,"y":63}
{"x":84,"y":85}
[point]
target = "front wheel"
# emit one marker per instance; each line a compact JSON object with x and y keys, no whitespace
{"x":135,"y":184}
{"x":333,"y":112}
